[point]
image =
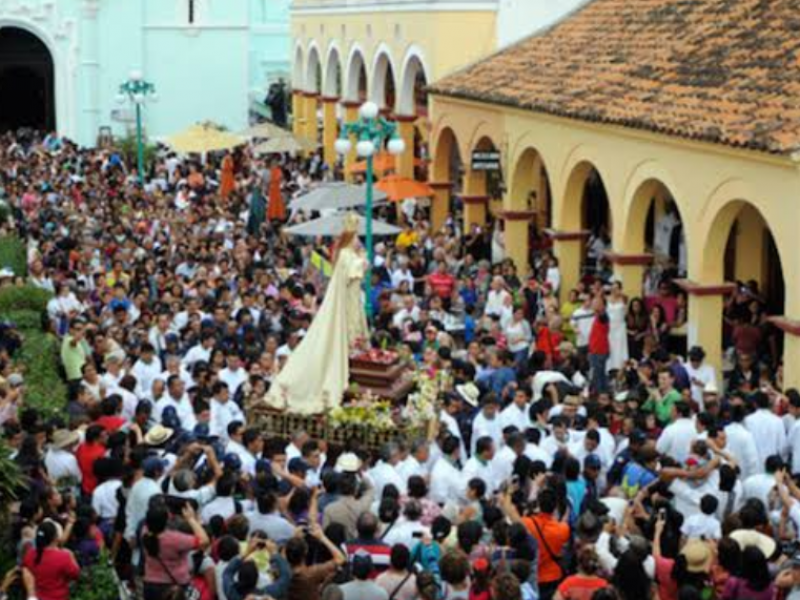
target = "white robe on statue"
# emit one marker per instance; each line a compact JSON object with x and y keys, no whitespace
{"x":318,"y":372}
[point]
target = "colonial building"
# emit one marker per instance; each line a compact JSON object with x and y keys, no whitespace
{"x":625,"y":109}
{"x":62,"y":61}
{"x":388,"y":51}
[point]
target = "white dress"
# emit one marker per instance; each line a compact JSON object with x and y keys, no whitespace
{"x":317,"y":373}
{"x":617,"y":335}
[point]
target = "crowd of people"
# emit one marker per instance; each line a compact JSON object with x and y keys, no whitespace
{"x":583,"y":451}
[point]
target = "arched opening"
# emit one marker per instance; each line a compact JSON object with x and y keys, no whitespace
{"x":313,"y":72}
{"x":655,"y":226}
{"x":740,"y":247}
{"x":356,"y":86}
{"x":298,"y":70}
{"x":586,"y":208}
{"x":530,"y":192}
{"x":413,"y":93}
{"x":383,"y":87}
{"x":333,"y":75}
{"x":26,"y":80}
{"x":448,"y":167}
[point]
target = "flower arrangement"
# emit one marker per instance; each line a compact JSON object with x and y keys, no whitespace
{"x":377,"y":356}
{"x":365,"y":411}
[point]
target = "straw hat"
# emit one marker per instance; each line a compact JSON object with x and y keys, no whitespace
{"x":698,"y":556}
{"x":158,"y":435}
{"x":469,"y":392}
{"x":64,"y":438}
{"x":749,"y":537}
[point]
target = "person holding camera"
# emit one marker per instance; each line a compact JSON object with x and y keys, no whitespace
{"x":166,"y":551}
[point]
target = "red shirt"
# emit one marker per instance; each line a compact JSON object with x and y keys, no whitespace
{"x":87,"y":454}
{"x":53,"y":573}
{"x":598,"y":336}
{"x":442,"y":284}
{"x":110,"y":423}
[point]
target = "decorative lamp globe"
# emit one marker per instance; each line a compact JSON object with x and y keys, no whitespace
{"x":369,"y":110}
{"x":365,"y":148}
{"x":396,"y":146}
{"x":138,"y":98}
{"x":136,"y":75}
{"x":342,"y":146}
{"x":121,"y":98}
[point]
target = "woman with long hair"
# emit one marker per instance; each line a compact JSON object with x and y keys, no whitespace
{"x":755,"y":582}
{"x":586,"y":580}
{"x":637,"y":327}
{"x":166,"y":552}
{"x":630,"y":578}
{"x":48,"y":569}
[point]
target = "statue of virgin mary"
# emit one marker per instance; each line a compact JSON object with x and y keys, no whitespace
{"x":317,"y":372}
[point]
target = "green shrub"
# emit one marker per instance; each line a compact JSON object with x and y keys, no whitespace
{"x":13,"y":255}
{"x":26,"y":297}
{"x":40,"y":357}
{"x":97,"y":582}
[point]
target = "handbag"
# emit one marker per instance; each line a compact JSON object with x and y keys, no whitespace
{"x":558,"y":559}
{"x":188,"y":591}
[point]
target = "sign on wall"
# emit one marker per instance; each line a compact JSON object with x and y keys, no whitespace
{"x":483,"y":160}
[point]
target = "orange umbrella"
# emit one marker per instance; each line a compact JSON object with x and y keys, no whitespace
{"x":382,"y":162}
{"x":399,"y":188}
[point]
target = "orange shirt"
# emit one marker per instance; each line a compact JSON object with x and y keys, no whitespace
{"x":557,"y":534}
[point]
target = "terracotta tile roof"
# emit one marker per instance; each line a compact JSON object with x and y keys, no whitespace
{"x":724,"y":71}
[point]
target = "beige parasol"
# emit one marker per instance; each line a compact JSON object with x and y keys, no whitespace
{"x":288,"y":143}
{"x":203,"y":137}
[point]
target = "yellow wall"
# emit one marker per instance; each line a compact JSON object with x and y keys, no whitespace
{"x":711,"y":185}
{"x":444,"y":40}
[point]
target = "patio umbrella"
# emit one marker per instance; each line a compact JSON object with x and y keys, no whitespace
{"x":333,"y":225}
{"x":399,"y":188}
{"x":334,"y":196}
{"x":203,"y":137}
{"x":287,"y":144}
{"x":265,"y":130}
{"x":381,"y":163}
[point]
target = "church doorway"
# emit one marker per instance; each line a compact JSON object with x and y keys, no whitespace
{"x":27,"y":90}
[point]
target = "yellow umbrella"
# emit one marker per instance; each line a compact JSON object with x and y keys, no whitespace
{"x":265,"y":130}
{"x":203,"y":137}
{"x":284,"y":144}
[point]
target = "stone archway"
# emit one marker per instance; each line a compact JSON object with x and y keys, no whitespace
{"x":27,"y":78}
{"x":383,"y":92}
{"x":447,"y":173}
{"x":527,"y":210}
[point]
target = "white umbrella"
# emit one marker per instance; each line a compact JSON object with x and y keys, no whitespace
{"x":336,"y":195}
{"x":265,"y":130}
{"x":286,"y":144}
{"x":333,"y":226}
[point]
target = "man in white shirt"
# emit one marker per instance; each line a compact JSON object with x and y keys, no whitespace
{"x":761,"y":485}
{"x":146,"y":370}
{"x":560,"y":440}
{"x":487,"y":422}
{"x":385,"y":470}
{"x":59,"y":460}
{"x":506,"y":457}
{"x":497,"y":298}
{"x":742,"y":445}
{"x":402,"y":273}
{"x":234,"y":374}
{"x":516,"y":413}
{"x":176,"y":397}
{"x":533,"y":449}
{"x":447,"y":417}
{"x":480,"y":464}
{"x":676,"y":439}
{"x":767,"y":429}
{"x":247,"y":444}
{"x":447,"y":481}
{"x":223,"y":411}
{"x":200,"y":352}
{"x":410,"y":310}
{"x":701,"y":375}
{"x":416,"y":463}
{"x":581,"y":321}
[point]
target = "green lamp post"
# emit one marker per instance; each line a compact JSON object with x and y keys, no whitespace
{"x":372,"y":132}
{"x":138,"y":91}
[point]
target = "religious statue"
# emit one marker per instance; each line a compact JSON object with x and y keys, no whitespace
{"x":317,"y":372}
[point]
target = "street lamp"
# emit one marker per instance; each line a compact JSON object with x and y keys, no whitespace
{"x":137,"y":91}
{"x":372,"y":131}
